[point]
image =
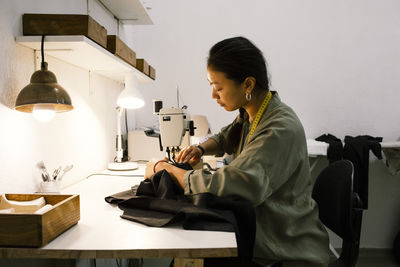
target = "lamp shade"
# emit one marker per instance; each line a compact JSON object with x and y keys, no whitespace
{"x":43,"y":93}
{"x":130,"y":97}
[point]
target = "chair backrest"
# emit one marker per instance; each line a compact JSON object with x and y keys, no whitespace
{"x":333,"y":191}
{"x":339,"y":207}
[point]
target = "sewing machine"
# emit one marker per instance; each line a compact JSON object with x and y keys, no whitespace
{"x":173,"y":127}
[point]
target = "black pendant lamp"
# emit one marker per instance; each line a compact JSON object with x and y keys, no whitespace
{"x":43,"y":94}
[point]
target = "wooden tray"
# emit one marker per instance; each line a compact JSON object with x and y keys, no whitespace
{"x":36,"y":230}
{"x":61,"y":24}
{"x":121,"y":50}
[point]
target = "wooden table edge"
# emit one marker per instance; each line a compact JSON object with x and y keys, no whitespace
{"x":13,"y":253}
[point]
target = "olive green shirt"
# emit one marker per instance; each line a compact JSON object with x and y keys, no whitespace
{"x":271,"y":170}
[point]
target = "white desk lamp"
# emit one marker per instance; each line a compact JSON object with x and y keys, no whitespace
{"x":129,"y":98}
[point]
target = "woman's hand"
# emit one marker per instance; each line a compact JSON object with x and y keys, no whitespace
{"x":158,"y":165}
{"x":190,"y":154}
{"x":150,"y":167}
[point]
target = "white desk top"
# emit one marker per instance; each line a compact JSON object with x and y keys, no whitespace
{"x":102,"y":233}
{"x":317,"y":148}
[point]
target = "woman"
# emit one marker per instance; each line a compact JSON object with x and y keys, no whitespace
{"x":270,"y":165}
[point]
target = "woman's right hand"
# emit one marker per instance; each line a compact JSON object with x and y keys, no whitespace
{"x":190,"y":154}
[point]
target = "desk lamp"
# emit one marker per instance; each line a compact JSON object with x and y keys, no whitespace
{"x":43,"y":97}
{"x":129,"y":98}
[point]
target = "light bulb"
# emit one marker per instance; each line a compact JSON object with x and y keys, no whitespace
{"x":43,"y":113}
{"x":130,"y":97}
{"x":130,"y":102}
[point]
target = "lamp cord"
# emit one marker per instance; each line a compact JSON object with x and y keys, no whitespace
{"x":126,"y":120}
{"x":42,"y":48}
{"x":126,"y":129}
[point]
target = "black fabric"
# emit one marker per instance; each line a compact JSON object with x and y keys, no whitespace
{"x":335,"y":149}
{"x":159,"y":201}
{"x":356,"y":149}
{"x":121,"y":196}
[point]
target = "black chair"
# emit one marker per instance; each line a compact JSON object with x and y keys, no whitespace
{"x":340,"y":208}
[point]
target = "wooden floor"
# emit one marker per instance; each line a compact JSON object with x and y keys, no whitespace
{"x":367,"y":258}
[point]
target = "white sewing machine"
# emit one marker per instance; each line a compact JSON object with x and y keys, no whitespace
{"x":175,"y":131}
{"x":173,"y":127}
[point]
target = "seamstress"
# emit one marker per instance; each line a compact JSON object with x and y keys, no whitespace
{"x":270,"y":166}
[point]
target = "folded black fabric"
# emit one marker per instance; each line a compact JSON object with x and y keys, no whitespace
{"x":335,"y":149}
{"x":161,"y":185}
{"x":122,"y":196}
{"x":356,"y":149}
{"x":159,"y":201}
{"x":149,"y":187}
{"x":161,"y":212}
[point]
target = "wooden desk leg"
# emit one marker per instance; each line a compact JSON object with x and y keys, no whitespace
{"x":180,"y":262}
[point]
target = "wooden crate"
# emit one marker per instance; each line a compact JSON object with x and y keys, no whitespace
{"x":152,"y":72}
{"x":36,"y":230}
{"x":142,"y":65}
{"x":61,"y":24}
{"x":121,"y":50}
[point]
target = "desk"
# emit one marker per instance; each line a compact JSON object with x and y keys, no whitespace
{"x":101,"y":233}
{"x":391,"y":153}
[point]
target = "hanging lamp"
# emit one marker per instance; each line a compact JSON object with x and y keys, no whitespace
{"x":43,"y":96}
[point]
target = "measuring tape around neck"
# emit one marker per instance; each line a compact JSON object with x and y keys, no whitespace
{"x":259,"y":113}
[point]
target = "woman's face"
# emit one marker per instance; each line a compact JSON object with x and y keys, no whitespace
{"x":228,"y":94}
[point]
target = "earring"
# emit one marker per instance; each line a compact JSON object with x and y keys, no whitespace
{"x":248,"y":97}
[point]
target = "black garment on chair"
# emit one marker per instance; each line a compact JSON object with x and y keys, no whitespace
{"x":356,"y":149}
{"x":159,"y":201}
{"x":340,"y":208}
{"x":335,"y":149}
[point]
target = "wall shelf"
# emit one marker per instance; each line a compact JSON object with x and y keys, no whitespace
{"x":129,"y":11}
{"x":80,"y":51}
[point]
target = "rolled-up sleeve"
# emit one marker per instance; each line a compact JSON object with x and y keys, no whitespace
{"x":220,"y":140}
{"x":186,"y":182}
{"x":222,"y":136}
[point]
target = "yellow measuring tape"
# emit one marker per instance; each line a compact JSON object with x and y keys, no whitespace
{"x":259,"y":113}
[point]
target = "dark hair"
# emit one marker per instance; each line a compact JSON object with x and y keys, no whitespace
{"x":239,"y":58}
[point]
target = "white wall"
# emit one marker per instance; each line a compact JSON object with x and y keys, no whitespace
{"x":84,"y":137}
{"x":335,"y":62}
